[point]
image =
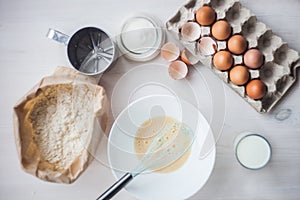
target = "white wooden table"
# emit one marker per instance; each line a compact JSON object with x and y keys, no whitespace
{"x":27,"y":55}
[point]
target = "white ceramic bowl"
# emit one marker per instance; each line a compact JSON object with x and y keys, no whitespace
{"x":179,"y":184}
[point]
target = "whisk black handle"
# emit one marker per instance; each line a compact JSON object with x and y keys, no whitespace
{"x":115,"y":188}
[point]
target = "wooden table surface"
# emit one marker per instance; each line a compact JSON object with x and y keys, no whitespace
{"x":27,"y":56}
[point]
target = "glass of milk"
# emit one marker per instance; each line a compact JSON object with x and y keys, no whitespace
{"x":252,"y":150}
{"x":141,"y":38}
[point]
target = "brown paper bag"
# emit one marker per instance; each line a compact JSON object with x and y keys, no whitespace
{"x":48,"y":153}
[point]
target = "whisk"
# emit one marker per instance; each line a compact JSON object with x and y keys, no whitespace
{"x":172,"y":141}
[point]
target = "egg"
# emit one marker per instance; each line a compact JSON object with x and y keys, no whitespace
{"x":237,"y":44}
{"x":223,"y":60}
{"x":256,"y":89}
{"x":221,"y":30}
{"x":207,"y":46}
{"x":253,"y":58}
{"x":191,"y":31}
{"x":188,"y":58}
{"x":178,"y":70}
{"x":170,"y":51}
{"x":239,"y":75}
{"x":205,"y":16}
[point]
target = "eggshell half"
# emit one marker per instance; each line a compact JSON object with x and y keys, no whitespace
{"x":178,"y":70}
{"x":170,"y":51}
{"x":188,"y":58}
{"x":191,"y":31}
{"x":207,"y":46}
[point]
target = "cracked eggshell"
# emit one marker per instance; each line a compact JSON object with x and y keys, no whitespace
{"x":207,"y":46}
{"x":191,"y":31}
{"x":170,"y":52}
{"x":178,"y":70}
{"x":188,"y":58}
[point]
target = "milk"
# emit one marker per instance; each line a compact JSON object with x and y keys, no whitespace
{"x":253,"y":151}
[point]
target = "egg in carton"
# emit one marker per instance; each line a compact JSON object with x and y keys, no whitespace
{"x":278,"y":71}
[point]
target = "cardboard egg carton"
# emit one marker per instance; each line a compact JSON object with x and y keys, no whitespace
{"x":279,"y":69}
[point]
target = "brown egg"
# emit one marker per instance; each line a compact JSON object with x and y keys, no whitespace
{"x":221,"y":30}
{"x":237,"y":44}
{"x":253,"y":58}
{"x":223,"y":60}
{"x":256,"y":89}
{"x":239,"y":75}
{"x":205,"y":16}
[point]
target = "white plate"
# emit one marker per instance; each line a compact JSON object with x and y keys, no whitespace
{"x":179,"y":184}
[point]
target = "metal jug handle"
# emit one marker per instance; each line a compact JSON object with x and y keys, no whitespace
{"x":58,"y":36}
